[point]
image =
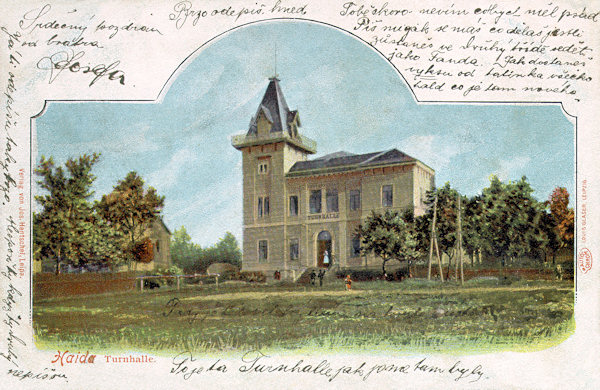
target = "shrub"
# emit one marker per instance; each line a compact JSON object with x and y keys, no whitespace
{"x":508,"y":279}
{"x":360,"y":275}
{"x":221,"y":268}
{"x":252,"y":276}
{"x":171,"y":271}
{"x":568,"y":270}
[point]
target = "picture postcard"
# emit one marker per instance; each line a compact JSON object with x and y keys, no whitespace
{"x":299,"y":194}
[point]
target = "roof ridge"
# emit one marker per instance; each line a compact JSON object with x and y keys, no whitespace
{"x":334,"y":155}
{"x":382,"y":153}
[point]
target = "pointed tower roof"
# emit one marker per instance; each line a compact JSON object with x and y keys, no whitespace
{"x":284,"y":123}
{"x":275,"y":109}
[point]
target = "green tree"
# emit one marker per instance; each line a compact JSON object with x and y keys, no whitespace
{"x":130,"y":209}
{"x":63,"y":228}
{"x":446,"y":221}
{"x":104,"y":243}
{"x":387,"y":236}
{"x":553,"y":243}
{"x":512,"y":219}
{"x":184,"y":252}
{"x":225,"y":251}
{"x":228,"y":250}
{"x":473,"y":227}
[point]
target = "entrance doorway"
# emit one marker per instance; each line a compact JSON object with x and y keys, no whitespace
{"x":324,"y":255}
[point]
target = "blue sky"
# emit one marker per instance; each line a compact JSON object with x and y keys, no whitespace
{"x":348,"y":97}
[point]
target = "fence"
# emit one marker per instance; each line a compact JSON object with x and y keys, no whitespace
{"x":142,"y":279}
{"x":48,"y":285}
{"x":525,"y":273}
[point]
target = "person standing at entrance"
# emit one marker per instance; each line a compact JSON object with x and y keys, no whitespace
{"x":326,"y":258}
{"x":321,"y":275}
{"x":348,"y":281}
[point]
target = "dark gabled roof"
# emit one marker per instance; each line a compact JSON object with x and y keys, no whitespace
{"x":342,"y":161}
{"x":162,"y":223}
{"x":275,"y":109}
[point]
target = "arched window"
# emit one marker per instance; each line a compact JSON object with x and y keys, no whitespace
{"x":324,"y":236}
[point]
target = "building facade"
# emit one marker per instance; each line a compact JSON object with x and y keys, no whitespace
{"x":160,"y":236}
{"x":298,"y":213}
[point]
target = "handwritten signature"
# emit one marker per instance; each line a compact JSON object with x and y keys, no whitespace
{"x":186,"y":366}
{"x":69,"y":60}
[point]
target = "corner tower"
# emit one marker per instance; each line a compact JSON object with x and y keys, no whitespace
{"x":270,"y":147}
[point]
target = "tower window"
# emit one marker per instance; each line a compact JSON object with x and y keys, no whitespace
{"x":263,"y":206}
{"x":263,"y":250}
{"x":294,"y":249}
{"x":293,"y":205}
{"x":260,"y":208}
{"x":263,"y":168}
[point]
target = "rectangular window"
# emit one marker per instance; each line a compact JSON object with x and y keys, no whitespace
{"x":263,"y":250}
{"x":294,"y":249}
{"x":263,"y":206}
{"x":315,"y":202}
{"x":355,"y":252}
{"x":354,"y":199}
{"x":387,"y":196}
{"x":263,"y":168}
{"x":260,"y":207}
{"x":293,"y":205}
{"x":332,"y":201}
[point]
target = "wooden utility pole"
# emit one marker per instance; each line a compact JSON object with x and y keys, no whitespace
{"x":459,"y":246}
{"x":434,"y":242}
{"x":431,"y":239}
{"x":437,"y":250}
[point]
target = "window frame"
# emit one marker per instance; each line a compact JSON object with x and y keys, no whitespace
{"x":258,"y":250}
{"x":297,"y":209}
{"x":260,"y":207}
{"x":263,"y":207}
{"x":266,"y":206}
{"x":263,"y":164}
{"x":384,"y":198}
{"x":351,"y":199}
{"x":294,"y":242}
{"x":333,"y":195}
{"x":354,"y":253}
{"x":319,"y":199}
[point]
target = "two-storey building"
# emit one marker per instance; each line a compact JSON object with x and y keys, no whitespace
{"x":295,"y":209}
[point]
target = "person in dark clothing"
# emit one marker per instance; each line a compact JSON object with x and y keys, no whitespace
{"x":313,"y":276}
{"x":151,"y":284}
{"x":321,"y":275}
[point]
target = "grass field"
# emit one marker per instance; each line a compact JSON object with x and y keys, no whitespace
{"x":412,"y":316}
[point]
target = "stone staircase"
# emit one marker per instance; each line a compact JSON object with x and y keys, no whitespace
{"x":304,"y":277}
{"x":330,"y":274}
